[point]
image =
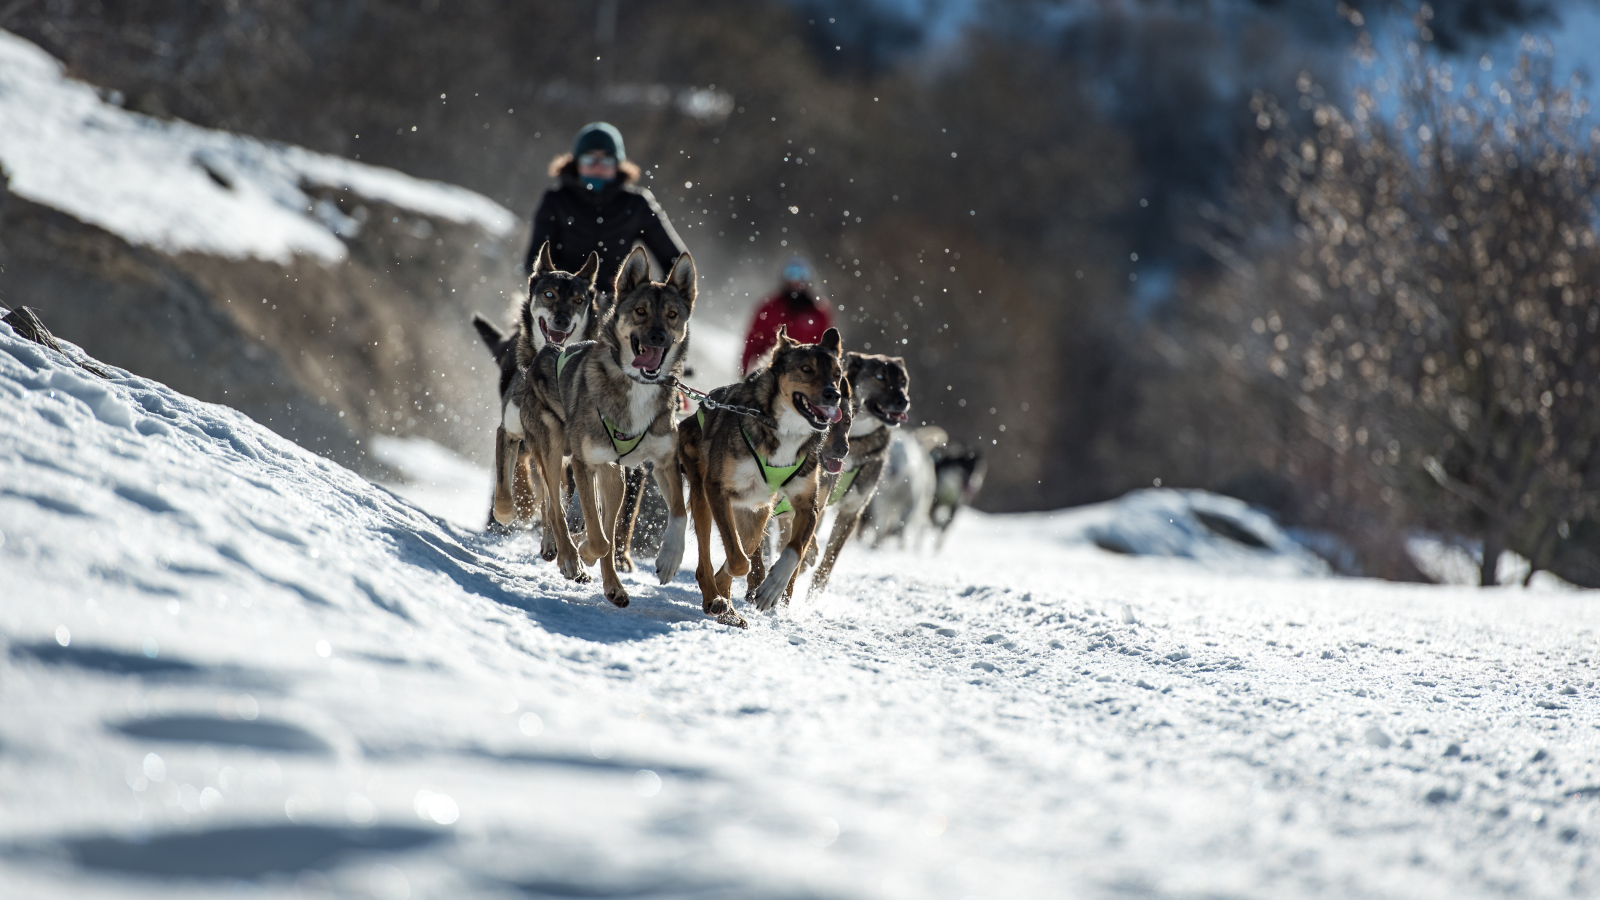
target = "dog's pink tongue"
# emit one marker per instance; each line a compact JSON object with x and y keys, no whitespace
{"x":649,"y":358}
{"x":836,"y":415}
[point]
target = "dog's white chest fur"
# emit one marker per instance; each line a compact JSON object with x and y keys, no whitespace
{"x":644,"y":401}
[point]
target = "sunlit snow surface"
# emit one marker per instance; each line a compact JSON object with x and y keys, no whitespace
{"x":233,"y":668}
{"x":181,"y":188}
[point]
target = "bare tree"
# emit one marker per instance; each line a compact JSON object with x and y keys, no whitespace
{"x":1442,"y":308}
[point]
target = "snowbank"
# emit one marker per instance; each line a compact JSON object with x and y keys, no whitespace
{"x":1215,"y":531}
{"x":181,"y":188}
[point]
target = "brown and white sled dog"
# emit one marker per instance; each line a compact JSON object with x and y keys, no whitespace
{"x":607,"y":404}
{"x":558,"y":306}
{"x":833,"y":453}
{"x":738,"y":465}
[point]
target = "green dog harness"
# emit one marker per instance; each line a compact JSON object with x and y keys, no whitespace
{"x":843,"y":486}
{"x":622,"y":442}
{"x":776,"y":476}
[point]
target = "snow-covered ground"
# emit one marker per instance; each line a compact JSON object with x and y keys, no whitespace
{"x":181,"y":188}
{"x":233,"y":668}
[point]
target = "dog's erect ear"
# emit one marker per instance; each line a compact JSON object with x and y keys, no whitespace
{"x":545,"y":265}
{"x":847,"y":391}
{"x":784,"y":341}
{"x":683,"y":277}
{"x":591,"y":267}
{"x":635,"y":272}
{"x":831,"y":341}
{"x":853,"y":362}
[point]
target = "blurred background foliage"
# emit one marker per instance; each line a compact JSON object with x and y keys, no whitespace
{"x":1072,"y":218}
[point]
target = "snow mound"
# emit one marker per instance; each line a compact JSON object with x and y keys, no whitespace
{"x":181,"y":188}
{"x":437,"y":479}
{"x":1450,"y":561}
{"x":1218,"y":532}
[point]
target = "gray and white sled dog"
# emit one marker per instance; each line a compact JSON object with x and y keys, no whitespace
{"x":606,"y":404}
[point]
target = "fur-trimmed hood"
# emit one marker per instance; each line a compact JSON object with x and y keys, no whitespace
{"x":564,"y":169}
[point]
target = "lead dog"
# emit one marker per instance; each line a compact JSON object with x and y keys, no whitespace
{"x":608,"y":403}
{"x":738,"y":464}
{"x":557,"y":306}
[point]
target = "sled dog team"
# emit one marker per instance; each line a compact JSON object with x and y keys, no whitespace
{"x":588,"y":386}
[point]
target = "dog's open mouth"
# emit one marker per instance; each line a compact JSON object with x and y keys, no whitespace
{"x":898,"y":417}
{"x":833,"y":465}
{"x":648,"y":359}
{"x":559,"y":338}
{"x":818,"y":417}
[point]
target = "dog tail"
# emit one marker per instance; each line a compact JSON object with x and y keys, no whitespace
{"x":486,"y":330}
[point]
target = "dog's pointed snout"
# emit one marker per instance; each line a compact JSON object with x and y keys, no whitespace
{"x":830,"y":394}
{"x":657,"y":337}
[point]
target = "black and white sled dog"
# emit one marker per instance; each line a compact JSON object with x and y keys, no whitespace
{"x":558,"y":306}
{"x":958,"y":476}
{"x":607,"y":404}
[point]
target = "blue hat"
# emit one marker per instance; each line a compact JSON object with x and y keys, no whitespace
{"x":599,"y":136}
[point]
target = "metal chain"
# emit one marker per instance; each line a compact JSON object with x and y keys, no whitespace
{"x":705,"y":399}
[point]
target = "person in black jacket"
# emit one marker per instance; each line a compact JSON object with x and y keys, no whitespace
{"x":598,"y":205}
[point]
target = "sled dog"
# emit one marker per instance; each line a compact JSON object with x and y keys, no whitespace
{"x":831,"y":457}
{"x":606,"y":404}
{"x":958,"y":476}
{"x":880,"y":386}
{"x":905,"y":492}
{"x":557,"y":306}
{"x":738,"y":465}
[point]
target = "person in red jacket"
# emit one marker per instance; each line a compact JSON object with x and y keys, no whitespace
{"x":794,"y":305}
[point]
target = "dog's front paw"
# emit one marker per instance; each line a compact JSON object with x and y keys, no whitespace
{"x":776,"y":584}
{"x":623,"y":561}
{"x":571,"y":569}
{"x":547,"y":546}
{"x":732,"y":618}
{"x":670,"y":556}
{"x":617,"y":596}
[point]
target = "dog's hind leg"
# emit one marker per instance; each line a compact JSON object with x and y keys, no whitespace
{"x":524,"y":497}
{"x":504,"y":512}
{"x":623,"y":541}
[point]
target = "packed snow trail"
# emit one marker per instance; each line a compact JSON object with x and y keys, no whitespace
{"x":232,"y":666}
